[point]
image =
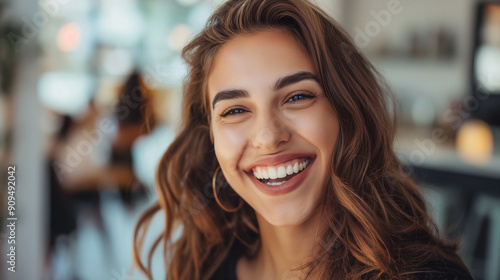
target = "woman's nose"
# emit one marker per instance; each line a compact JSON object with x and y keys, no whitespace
{"x":270,"y":132}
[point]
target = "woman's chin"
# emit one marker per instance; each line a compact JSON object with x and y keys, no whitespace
{"x":284,"y":217}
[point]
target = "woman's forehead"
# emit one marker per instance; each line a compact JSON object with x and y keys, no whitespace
{"x":256,"y":60}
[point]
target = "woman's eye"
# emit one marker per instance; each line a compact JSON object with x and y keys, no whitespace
{"x":300,"y":96}
{"x":233,"y":111}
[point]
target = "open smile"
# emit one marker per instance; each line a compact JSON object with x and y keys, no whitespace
{"x":277,"y":175}
{"x":283,"y":178}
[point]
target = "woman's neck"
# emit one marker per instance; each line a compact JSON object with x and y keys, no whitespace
{"x":284,"y":248}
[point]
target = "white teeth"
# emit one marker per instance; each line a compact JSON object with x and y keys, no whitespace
{"x":281,"y":172}
{"x":272,"y":173}
{"x":275,"y":184}
{"x":256,"y":173}
{"x":265,"y":175}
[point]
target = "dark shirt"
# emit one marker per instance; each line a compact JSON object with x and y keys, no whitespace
{"x":227,"y":270}
{"x":435,"y":270}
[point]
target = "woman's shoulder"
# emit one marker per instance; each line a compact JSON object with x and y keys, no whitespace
{"x":442,"y":270}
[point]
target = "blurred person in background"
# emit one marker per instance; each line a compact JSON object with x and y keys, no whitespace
{"x":78,"y":175}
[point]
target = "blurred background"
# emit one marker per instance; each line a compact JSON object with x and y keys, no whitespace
{"x":90,"y":95}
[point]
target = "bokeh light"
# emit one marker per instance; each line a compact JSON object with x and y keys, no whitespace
{"x":475,"y":142}
{"x":68,"y":37}
{"x":66,"y":93}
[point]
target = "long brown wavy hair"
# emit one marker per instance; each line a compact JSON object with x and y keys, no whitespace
{"x":376,"y":225}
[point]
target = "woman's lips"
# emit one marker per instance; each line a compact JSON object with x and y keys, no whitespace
{"x":288,"y":186}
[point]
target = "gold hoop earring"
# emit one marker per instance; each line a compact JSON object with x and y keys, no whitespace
{"x":214,"y":187}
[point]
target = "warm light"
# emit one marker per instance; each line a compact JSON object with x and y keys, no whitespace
{"x":68,"y":37}
{"x":475,"y":142}
{"x":179,"y":36}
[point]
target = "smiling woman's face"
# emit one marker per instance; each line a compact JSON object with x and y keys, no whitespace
{"x":274,"y":129}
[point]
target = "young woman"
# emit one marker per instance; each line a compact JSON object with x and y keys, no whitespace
{"x":284,"y":166}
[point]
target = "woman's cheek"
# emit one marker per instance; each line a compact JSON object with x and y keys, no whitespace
{"x":230,"y":140}
{"x":307,"y":122}
{"x":318,"y":126}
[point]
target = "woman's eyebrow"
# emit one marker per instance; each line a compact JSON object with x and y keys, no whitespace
{"x":294,"y":78}
{"x":280,"y":83}
{"x":229,"y":94}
